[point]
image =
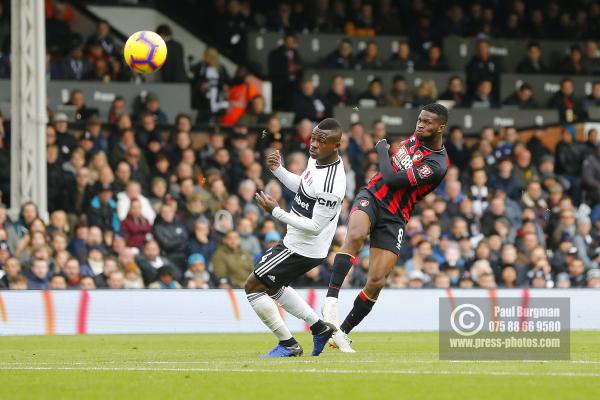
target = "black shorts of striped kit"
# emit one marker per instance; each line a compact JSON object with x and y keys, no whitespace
{"x":279,"y":266}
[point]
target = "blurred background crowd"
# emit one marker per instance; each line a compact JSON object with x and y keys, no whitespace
{"x":140,"y":200}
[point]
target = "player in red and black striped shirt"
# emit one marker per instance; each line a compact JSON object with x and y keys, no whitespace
{"x":381,"y":211}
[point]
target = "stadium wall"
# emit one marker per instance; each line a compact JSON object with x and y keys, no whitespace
{"x":223,"y":311}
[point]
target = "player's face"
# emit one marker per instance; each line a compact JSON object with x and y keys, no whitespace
{"x":322,"y":146}
{"x":428,"y":125}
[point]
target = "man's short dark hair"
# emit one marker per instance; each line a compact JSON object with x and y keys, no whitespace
{"x":330,"y":124}
{"x":437,"y":109}
{"x":533,"y":44}
{"x":164,"y":30}
{"x":525,"y":86}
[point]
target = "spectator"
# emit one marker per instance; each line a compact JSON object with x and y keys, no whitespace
{"x":483,"y":97}
{"x":593,"y":278}
{"x":103,"y":210}
{"x":135,"y":227}
{"x":152,"y":106}
{"x":565,"y":102}
{"x":12,"y":271}
{"x":196,"y":275}
{"x":569,"y":161}
{"x":307,"y":104}
{"x":341,"y":58}
{"x":402,"y":61}
{"x":57,"y":282}
{"x":399,"y":95}
{"x":455,"y":92}
{"x":171,"y":235}
{"x":134,"y":192}
{"x":82,"y":112}
{"x":255,"y":114}
{"x":72,"y":67}
{"x":457,"y":149}
{"x":435,"y":60}
{"x":165,"y":279}
{"x":532,"y":63}
{"x":373,"y":96}
{"x":65,"y":141}
{"x":591,"y":58}
{"x":281,"y":22}
{"x":576,"y":270}
{"x":593,"y":99}
{"x":425,"y":93}
{"x":231,"y":264}
{"x":522,"y":98}
{"x":455,"y":22}
{"x":103,"y":37}
{"x":573,"y":63}
{"x":150,"y":261}
{"x":116,"y":280}
{"x":239,"y":94}
{"x":202,"y":242}
{"x":368,"y":58}
{"x":591,"y":175}
{"x":337,"y":95}
{"x":364,"y":24}
{"x":249,"y":242}
{"x":285,"y":68}
{"x":38,"y":277}
{"x":208,"y":85}
{"x":87,"y":283}
{"x":482,"y":67}
{"x":173,"y":69}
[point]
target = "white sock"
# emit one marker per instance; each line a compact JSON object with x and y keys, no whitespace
{"x":291,"y":302}
{"x":268,"y":312}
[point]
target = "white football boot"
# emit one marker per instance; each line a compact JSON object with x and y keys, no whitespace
{"x":342,"y":342}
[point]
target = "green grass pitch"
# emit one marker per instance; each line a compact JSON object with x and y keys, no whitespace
{"x":227,"y":366}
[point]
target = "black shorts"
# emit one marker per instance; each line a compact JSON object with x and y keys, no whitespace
{"x":279,"y":266}
{"x":387,"y":230}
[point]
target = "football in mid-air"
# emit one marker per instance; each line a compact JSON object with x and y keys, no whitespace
{"x":145,"y":52}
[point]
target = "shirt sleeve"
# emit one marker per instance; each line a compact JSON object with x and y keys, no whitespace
{"x":325,"y":210}
{"x":289,"y":179}
{"x":428,"y":172}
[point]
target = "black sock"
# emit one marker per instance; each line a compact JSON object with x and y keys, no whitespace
{"x":341,"y":266}
{"x":318,"y":327}
{"x":362,"y":307}
{"x":289,"y":342}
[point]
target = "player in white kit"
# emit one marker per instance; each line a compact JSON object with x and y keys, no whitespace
{"x":311,"y":224}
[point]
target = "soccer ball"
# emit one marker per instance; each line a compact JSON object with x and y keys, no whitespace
{"x":145,"y":52}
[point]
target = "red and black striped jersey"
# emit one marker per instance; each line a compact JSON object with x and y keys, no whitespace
{"x":417,"y":170}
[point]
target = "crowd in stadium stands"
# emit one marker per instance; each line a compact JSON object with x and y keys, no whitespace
{"x":137,"y":203}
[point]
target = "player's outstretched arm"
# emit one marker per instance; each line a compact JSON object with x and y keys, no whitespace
{"x":406,"y":177}
{"x":324,"y":211}
{"x":289,"y":179}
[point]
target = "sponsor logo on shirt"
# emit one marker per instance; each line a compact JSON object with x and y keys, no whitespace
{"x":327,"y":203}
{"x":402,"y":158}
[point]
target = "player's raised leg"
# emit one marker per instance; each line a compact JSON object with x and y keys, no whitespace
{"x":266,"y":309}
{"x":291,"y":302}
{"x":359,"y":226}
{"x":381,"y":263}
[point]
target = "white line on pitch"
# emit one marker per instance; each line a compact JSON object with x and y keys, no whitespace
{"x":296,"y":361}
{"x":309,"y":371}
